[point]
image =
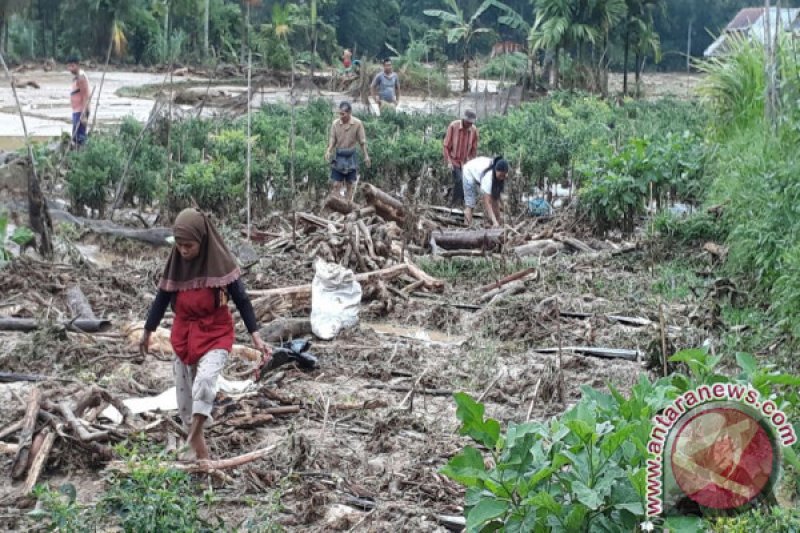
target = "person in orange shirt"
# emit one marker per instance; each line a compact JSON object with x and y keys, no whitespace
{"x":460,"y":145}
{"x":79,"y":97}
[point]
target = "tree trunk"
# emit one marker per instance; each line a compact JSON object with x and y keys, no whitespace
{"x":81,"y":325}
{"x":3,"y":31}
{"x":166,"y":36}
{"x":205,"y":29}
{"x":625,"y":58}
{"x":42,"y":35}
{"x":387,"y":206}
{"x":465,"y":87}
{"x":554,"y":75}
{"x":489,"y":239}
{"x":639,"y":64}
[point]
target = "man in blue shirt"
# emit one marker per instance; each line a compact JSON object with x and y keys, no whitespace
{"x":386,"y":86}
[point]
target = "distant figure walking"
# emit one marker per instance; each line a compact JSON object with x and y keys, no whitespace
{"x":386,"y":86}
{"x":79,"y":97}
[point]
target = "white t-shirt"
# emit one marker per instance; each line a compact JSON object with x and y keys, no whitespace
{"x":473,"y":170}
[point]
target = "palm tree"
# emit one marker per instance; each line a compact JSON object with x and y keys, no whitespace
{"x":648,"y":42}
{"x":557,"y":27}
{"x":638,"y":22}
{"x":565,"y":24}
{"x":459,"y":29}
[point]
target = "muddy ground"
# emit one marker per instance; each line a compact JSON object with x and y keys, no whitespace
{"x":363,"y":453}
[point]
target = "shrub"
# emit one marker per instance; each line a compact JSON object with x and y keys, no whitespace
{"x":585,"y":471}
{"x":506,"y":66}
{"x":92,"y":171}
{"x":152,"y":497}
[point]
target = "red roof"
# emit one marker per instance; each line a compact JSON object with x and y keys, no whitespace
{"x":745,"y":18}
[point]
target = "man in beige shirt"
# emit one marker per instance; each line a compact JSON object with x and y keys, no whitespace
{"x":346,"y":132}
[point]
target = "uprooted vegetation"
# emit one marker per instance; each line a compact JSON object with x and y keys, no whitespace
{"x":571,"y":315}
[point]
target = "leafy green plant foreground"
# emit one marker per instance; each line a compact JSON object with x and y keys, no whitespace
{"x":585,"y":471}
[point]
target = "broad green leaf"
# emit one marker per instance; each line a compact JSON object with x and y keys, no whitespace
{"x":540,"y":476}
{"x":466,"y":468}
{"x":581,"y":429}
{"x":546,"y":501}
{"x":783,"y":379}
{"x":694,"y":355}
{"x":587,"y":496}
{"x":612,"y":442}
{"x":576,"y":519}
{"x":470,"y":412}
{"x":747,"y":363}
{"x":635,"y":508}
{"x":486,"y":511}
{"x":22,"y":236}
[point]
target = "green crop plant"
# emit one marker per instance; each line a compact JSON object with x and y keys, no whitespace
{"x":585,"y":471}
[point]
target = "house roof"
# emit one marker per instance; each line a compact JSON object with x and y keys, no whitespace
{"x":744,"y":18}
{"x":751,"y":22}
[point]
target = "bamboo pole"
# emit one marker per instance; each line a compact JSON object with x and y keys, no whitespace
{"x":249,"y":140}
{"x":102,"y":80}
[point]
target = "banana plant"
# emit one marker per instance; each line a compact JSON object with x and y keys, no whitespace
{"x":460,"y":29}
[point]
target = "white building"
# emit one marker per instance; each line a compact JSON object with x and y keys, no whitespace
{"x":751,"y":23}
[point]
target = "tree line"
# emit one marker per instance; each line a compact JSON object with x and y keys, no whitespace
{"x":614,"y":33}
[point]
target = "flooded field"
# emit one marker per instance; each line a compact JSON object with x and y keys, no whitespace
{"x":48,"y":114}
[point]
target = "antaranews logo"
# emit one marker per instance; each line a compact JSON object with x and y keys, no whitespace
{"x":715,"y":450}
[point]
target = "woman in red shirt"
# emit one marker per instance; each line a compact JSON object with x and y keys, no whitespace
{"x":200,"y":276}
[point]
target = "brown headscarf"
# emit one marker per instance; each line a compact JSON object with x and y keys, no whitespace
{"x":213,"y":267}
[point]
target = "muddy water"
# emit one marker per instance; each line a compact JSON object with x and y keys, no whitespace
{"x":47,"y":109}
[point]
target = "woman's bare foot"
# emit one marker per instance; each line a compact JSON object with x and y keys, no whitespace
{"x":196,"y":439}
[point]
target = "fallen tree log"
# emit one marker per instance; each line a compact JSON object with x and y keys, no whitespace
{"x":154,"y":236}
{"x":246,"y":421}
{"x":284,"y":329}
{"x":544,"y":247}
{"x":79,"y":325}
{"x":574,"y":243}
{"x":7,"y":448}
{"x":508,"y":279}
{"x":303,"y":292}
{"x":509,"y":289}
{"x":488,"y":239}
{"x":78,"y":304}
{"x":201,"y":466}
{"x":339,"y":204}
{"x":39,"y":461}
{"x":160,"y":342}
{"x":20,"y":463}
{"x":13,"y":377}
{"x":77,"y":427}
{"x":387,"y":206}
{"x":11,"y":429}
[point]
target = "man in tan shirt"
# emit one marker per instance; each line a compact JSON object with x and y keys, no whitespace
{"x":346,"y":132}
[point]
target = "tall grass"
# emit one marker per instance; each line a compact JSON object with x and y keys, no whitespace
{"x":757,"y":174}
{"x":735,"y":84}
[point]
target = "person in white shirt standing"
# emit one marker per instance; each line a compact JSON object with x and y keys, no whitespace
{"x":484,"y":177}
